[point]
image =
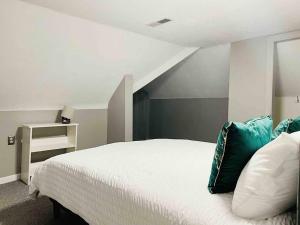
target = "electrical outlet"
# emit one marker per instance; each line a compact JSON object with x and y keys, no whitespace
{"x":11,"y":140}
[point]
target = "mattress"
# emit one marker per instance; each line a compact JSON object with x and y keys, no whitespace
{"x":155,"y":182}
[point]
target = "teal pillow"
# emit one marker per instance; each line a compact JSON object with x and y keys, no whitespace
{"x":288,"y":126}
{"x":236,"y":144}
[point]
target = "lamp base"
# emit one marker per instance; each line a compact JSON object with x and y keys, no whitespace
{"x":65,"y":120}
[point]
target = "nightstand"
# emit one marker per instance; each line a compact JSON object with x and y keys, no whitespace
{"x":32,"y":144}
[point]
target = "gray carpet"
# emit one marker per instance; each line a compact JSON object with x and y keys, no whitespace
{"x":17,"y":207}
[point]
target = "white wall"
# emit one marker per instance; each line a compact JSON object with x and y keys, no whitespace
{"x":287,"y":68}
{"x":287,"y":80}
{"x":120,"y":112}
{"x":48,"y":59}
{"x":204,"y":74}
{"x":247,"y":79}
{"x":285,"y":107}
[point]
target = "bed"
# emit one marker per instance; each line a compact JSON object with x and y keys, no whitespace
{"x":154,"y":182}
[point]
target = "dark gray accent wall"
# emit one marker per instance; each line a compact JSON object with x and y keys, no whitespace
{"x":119,"y":112}
{"x":195,"y":119}
{"x":188,"y":101}
{"x":91,"y":132}
{"x":141,"y":113}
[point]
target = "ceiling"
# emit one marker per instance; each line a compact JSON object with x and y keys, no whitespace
{"x":49,"y":59}
{"x":195,"y":22}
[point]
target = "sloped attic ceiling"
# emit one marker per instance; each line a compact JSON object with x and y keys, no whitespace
{"x":194,"y":22}
{"x":49,"y":59}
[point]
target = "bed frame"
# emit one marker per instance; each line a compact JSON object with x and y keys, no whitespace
{"x":57,"y":209}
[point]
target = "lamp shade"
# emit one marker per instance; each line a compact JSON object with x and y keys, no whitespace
{"x":68,"y":112}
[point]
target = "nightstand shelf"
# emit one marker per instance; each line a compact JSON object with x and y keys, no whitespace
{"x":51,"y":143}
{"x":31,"y":145}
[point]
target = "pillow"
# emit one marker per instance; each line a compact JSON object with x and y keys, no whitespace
{"x":288,"y":126}
{"x":296,"y":137}
{"x":237,"y":142}
{"x":268,"y":184}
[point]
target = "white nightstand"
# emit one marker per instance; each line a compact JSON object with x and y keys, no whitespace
{"x":30,"y":145}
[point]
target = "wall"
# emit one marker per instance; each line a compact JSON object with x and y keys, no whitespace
{"x":248,"y":79}
{"x":141,"y":115}
{"x":191,"y":100}
{"x":202,"y":75}
{"x":92,"y":129}
{"x":285,"y":107}
{"x":47,"y":57}
{"x":195,"y":119}
{"x":287,"y":68}
{"x":119,"y":112}
{"x":287,"y":80}
{"x":91,"y":132}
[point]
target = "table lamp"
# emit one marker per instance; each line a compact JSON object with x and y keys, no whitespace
{"x":67,"y":114}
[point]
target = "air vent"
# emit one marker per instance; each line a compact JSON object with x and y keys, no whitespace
{"x":159,"y":22}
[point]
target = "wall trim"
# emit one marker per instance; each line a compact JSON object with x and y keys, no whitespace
{"x":11,"y":178}
{"x":163,"y":68}
{"x":78,"y":107}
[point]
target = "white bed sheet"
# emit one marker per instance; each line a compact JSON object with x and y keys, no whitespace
{"x":155,"y":182}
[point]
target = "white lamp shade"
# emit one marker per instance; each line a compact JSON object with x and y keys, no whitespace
{"x":68,"y":112}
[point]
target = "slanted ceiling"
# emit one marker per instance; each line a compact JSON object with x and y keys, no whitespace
{"x":194,"y":22}
{"x":49,"y":59}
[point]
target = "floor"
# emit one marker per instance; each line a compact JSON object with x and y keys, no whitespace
{"x":17,"y":207}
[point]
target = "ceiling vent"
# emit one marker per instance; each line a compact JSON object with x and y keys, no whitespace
{"x":159,"y":22}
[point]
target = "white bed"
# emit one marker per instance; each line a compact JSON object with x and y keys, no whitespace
{"x":155,"y":182}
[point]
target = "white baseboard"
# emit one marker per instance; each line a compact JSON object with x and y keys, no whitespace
{"x":11,"y":178}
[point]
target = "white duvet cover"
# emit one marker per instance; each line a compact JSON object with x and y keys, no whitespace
{"x":155,"y":182}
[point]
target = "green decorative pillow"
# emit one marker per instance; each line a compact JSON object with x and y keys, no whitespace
{"x":288,"y":126}
{"x":236,"y":144}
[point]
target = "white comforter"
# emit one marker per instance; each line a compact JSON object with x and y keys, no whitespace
{"x":156,"y":182}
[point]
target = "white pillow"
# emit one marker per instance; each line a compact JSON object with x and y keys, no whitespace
{"x":296,"y":136}
{"x":267,"y":185}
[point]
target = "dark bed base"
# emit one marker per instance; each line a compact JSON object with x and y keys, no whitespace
{"x":56,"y":208}
{"x":57,"y":211}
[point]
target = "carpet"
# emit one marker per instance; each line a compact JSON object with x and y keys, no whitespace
{"x":17,"y":207}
